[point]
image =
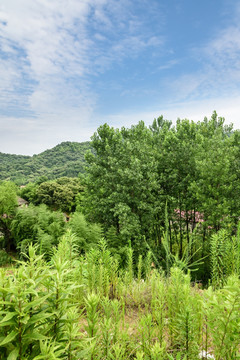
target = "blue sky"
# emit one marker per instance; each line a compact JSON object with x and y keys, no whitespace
{"x":68,"y":66}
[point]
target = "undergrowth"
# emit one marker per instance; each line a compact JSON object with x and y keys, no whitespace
{"x":84,"y":307}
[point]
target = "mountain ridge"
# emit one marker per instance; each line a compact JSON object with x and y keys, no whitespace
{"x":64,"y":159}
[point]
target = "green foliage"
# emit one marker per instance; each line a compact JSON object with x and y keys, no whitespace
{"x":87,"y":234}
{"x":158,"y":305}
{"x":225,"y":253}
{"x":121,"y":181}
{"x":41,"y":308}
{"x":192,"y":166}
{"x":147,"y":333}
{"x":43,"y":317}
{"x":38,"y":225}
{"x":59,"y":194}
{"x":101,"y":271}
{"x":107,"y":297}
{"x":22,"y":310}
{"x":92,"y":302}
{"x":117,"y":245}
{"x":8,"y":206}
{"x":132,"y":174}
{"x":29,"y":193}
{"x":8,"y":198}
{"x":182,"y":314}
{"x":215,"y":186}
{"x":5,"y":258}
{"x":223,"y":319}
{"x":11,"y":167}
{"x":65,"y":159}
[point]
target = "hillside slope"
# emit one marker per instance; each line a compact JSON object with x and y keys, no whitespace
{"x":65,"y":159}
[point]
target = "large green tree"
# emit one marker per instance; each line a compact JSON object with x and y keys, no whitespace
{"x":175,"y":157}
{"x":59,"y":194}
{"x":122,"y":181}
{"x":216,"y":184}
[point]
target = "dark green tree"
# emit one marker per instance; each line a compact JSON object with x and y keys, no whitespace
{"x":59,"y":194}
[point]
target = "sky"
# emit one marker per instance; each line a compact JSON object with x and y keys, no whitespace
{"x":69,"y":66}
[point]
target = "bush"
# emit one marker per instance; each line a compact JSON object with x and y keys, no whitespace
{"x":5,"y":258}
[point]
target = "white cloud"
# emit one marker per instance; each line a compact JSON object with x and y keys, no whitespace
{"x":168,"y":65}
{"x":49,"y":49}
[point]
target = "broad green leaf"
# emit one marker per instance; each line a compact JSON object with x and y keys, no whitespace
{"x":9,"y":316}
{"x":35,"y":336}
{"x":9,"y":322}
{"x":36,"y":302}
{"x":9,"y":338}
{"x":13,"y":354}
{"x":40,"y":316}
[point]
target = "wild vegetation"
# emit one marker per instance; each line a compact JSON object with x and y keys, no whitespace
{"x":137,"y":258}
{"x":86,"y":307}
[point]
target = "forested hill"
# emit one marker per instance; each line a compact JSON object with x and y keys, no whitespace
{"x":65,"y":159}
